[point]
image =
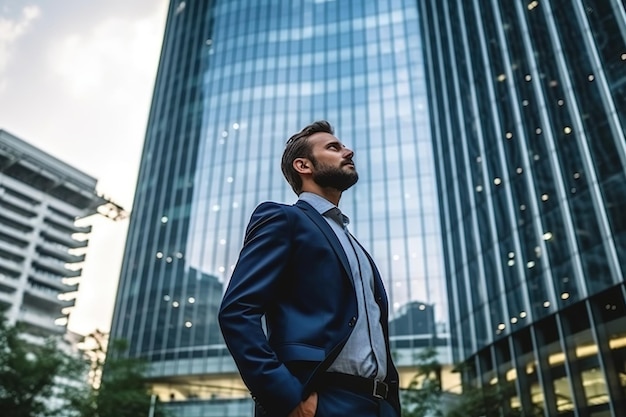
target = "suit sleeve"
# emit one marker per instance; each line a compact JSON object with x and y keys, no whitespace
{"x":251,"y":290}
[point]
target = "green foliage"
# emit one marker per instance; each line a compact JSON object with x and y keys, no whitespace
{"x":43,"y":381}
{"x":32,"y":375}
{"x":123,"y":391}
{"x":422,"y":398}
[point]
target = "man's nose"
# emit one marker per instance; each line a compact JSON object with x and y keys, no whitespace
{"x":348,"y":153}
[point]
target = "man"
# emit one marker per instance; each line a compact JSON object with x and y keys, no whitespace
{"x":324,"y":348}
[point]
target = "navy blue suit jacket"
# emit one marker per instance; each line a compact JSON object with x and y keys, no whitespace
{"x":293,"y":272}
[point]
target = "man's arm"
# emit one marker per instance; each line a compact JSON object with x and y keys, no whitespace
{"x":251,"y":290}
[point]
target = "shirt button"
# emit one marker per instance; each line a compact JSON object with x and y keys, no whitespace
{"x":352,"y":322}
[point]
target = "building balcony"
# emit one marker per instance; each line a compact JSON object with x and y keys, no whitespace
{"x":7,"y":298}
{"x":25,"y":222}
{"x":15,"y":233}
{"x":9,"y":283}
{"x":63,"y":238}
{"x":21,"y":204}
{"x":58,"y":252}
{"x":12,"y":266}
{"x":42,"y":297}
{"x":15,"y":252}
{"x":41,"y":323}
{"x":51,"y":280}
{"x":66,"y":223}
{"x":57,"y":267}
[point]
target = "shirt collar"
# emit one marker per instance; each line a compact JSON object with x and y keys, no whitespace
{"x":325,"y":207}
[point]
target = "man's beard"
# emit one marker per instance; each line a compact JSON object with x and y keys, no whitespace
{"x":330,"y":177}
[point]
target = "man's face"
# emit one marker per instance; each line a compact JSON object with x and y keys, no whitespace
{"x":333,"y":166}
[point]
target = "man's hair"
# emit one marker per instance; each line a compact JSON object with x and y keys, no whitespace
{"x":298,"y":146}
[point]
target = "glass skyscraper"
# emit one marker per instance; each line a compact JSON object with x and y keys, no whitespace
{"x":235,"y":80}
{"x":528,"y":105}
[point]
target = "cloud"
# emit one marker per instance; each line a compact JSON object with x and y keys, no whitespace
{"x":109,"y":59}
{"x":12,"y":30}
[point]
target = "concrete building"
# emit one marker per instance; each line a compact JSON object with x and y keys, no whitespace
{"x":528,"y":110}
{"x":41,"y":247}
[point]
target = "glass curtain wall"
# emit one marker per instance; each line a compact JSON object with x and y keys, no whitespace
{"x":236,"y":79}
{"x":528,"y":110}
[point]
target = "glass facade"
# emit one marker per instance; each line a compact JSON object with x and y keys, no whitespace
{"x":528,"y":107}
{"x":235,"y":80}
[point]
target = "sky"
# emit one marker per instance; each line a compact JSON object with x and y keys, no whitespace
{"x":76,"y":81}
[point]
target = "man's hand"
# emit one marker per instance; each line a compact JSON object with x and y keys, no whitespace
{"x":306,"y":408}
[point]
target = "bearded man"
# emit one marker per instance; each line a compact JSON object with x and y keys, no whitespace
{"x":305,"y":315}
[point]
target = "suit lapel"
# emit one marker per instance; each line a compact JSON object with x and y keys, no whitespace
{"x":321,"y":223}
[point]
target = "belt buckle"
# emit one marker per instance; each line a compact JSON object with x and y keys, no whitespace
{"x":381,"y":389}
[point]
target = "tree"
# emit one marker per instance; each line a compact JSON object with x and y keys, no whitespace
{"x":122,"y":391}
{"x":422,"y":398}
{"x":34,"y":378}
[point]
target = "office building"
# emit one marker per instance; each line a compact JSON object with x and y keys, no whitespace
{"x":235,"y":80}
{"x":42,"y":249}
{"x":528,"y":107}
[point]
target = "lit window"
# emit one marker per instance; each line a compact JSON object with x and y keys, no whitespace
{"x":567,"y":130}
{"x":191,"y":300}
{"x":216,"y":207}
{"x":209,"y":42}
{"x":236,"y":126}
{"x":166,"y":297}
{"x":479,"y":188}
{"x":560,"y":102}
{"x":530,"y":264}
{"x":533,"y":4}
{"x":527,"y":77}
{"x":221,"y":269}
{"x":544,"y":197}
{"x":479,"y":159}
{"x":513,"y":320}
{"x":175,"y":304}
{"x":576,"y":175}
{"x":511,"y":255}
{"x":519,"y":170}
{"x":164,"y":219}
{"x":501,"y":326}
{"x":511,"y":262}
{"x":509,"y":135}
{"x":497,"y":181}
{"x":538,"y":131}
{"x":224,"y":134}
{"x":159,"y":255}
{"x":396,"y":257}
{"x":222,"y":241}
{"x":565,"y":296}
{"x":230,"y":179}
{"x":179,"y":255}
{"x":524,"y":103}
{"x":169,"y":259}
{"x":180,"y":7}
{"x":501,"y":77}
{"x":624,"y":57}
{"x":547,"y":236}
{"x":522,"y":314}
{"x":522,"y":207}
{"x":591,"y":77}
{"x":188,"y":324}
{"x":546,"y":304}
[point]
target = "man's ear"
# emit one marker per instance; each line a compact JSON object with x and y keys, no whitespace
{"x":302,"y":165}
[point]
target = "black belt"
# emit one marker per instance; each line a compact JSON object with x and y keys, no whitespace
{"x":358,"y":384}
